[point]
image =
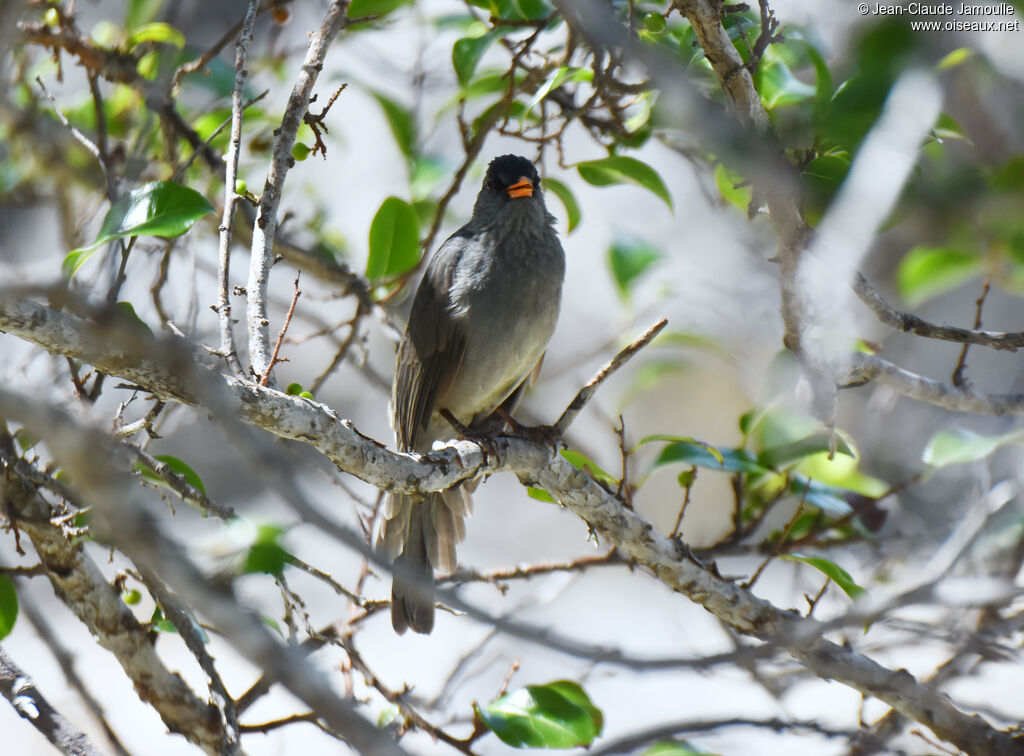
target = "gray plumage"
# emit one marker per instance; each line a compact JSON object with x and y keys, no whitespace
{"x":479,"y":324}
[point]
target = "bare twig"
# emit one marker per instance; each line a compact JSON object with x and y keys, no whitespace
{"x":584,"y":395}
{"x":961,"y":364}
{"x":280,"y":336}
{"x":908,"y":323}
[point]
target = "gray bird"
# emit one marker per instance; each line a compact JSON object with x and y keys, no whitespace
{"x":480,"y":322}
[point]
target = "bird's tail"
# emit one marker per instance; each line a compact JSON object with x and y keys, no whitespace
{"x":420,"y":535}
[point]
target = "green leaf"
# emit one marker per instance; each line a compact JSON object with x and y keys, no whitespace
{"x":294,"y":389}
{"x":779,"y":456}
{"x":680,"y":748}
{"x":156,"y":32}
{"x":128,"y":311}
{"x":378,"y":8}
{"x":564,"y":193}
{"x":140,"y":12}
{"x":540,"y":495}
{"x":927,"y":272}
{"x":734,"y":188}
{"x":618,"y":169}
{"x":776,"y":83}
{"x":176,"y":466}
{"x":161,"y":624}
{"x":828,"y":499}
{"x":693,"y":452}
{"x":159,"y":208}
{"x":955,"y":58}
{"x":266,"y":554}
{"x":388,"y":714}
{"x":582,"y":462}
{"x":8,"y":606}
{"x":466,"y":54}
{"x":394,"y":240}
{"x":838,"y":575}
{"x":556,"y":715}
{"x":628,"y":259}
{"x":958,"y":446}
{"x":400,"y":119}
{"x":557,"y":78}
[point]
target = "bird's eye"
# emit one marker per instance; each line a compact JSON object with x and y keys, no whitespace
{"x":490,"y":185}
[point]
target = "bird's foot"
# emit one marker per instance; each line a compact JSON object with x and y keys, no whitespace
{"x":538,"y":434}
{"x":484,"y":440}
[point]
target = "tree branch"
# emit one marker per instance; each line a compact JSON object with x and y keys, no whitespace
{"x":902,"y":321}
{"x":292,"y":417}
{"x":30,"y":704}
{"x":265,"y":227}
{"x":868,"y":367}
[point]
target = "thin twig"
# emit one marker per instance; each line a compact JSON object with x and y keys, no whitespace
{"x":580,"y":401}
{"x":280,"y":336}
{"x":958,"y":372}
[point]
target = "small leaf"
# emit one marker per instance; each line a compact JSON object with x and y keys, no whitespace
{"x":628,"y":260}
{"x":557,"y":78}
{"x":680,"y":748}
{"x":556,"y":715}
{"x":781,"y":455}
{"x":582,"y":462}
{"x":703,"y":455}
{"x":466,"y":54}
{"x":160,"y":623}
{"x":156,"y":32}
{"x":159,"y":208}
{"x":926,"y":272}
{"x":564,"y":193}
{"x":378,"y":8}
{"x":618,"y":169}
{"x":401,"y":122}
{"x":839,"y":576}
{"x":776,"y":83}
{"x":176,"y":466}
{"x":540,"y":495}
{"x":955,"y":58}
{"x":734,"y":188}
{"x":958,"y":446}
{"x":394,"y":240}
{"x":8,"y":606}
{"x":266,"y":554}
{"x":272,"y":624}
{"x":388,"y":715}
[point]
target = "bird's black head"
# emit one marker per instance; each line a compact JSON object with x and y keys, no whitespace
{"x":513,"y":176}
{"x":511,"y":192}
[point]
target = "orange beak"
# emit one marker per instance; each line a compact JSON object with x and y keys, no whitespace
{"x":522,"y":188}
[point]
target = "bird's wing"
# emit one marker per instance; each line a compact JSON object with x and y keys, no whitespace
{"x":433,"y":347}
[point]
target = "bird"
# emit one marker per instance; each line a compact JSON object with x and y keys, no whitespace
{"x":480,"y":323}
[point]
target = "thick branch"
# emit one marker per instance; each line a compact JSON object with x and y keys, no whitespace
{"x":26,"y":699}
{"x":868,"y":367}
{"x":265,"y":228}
{"x":292,"y":417}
